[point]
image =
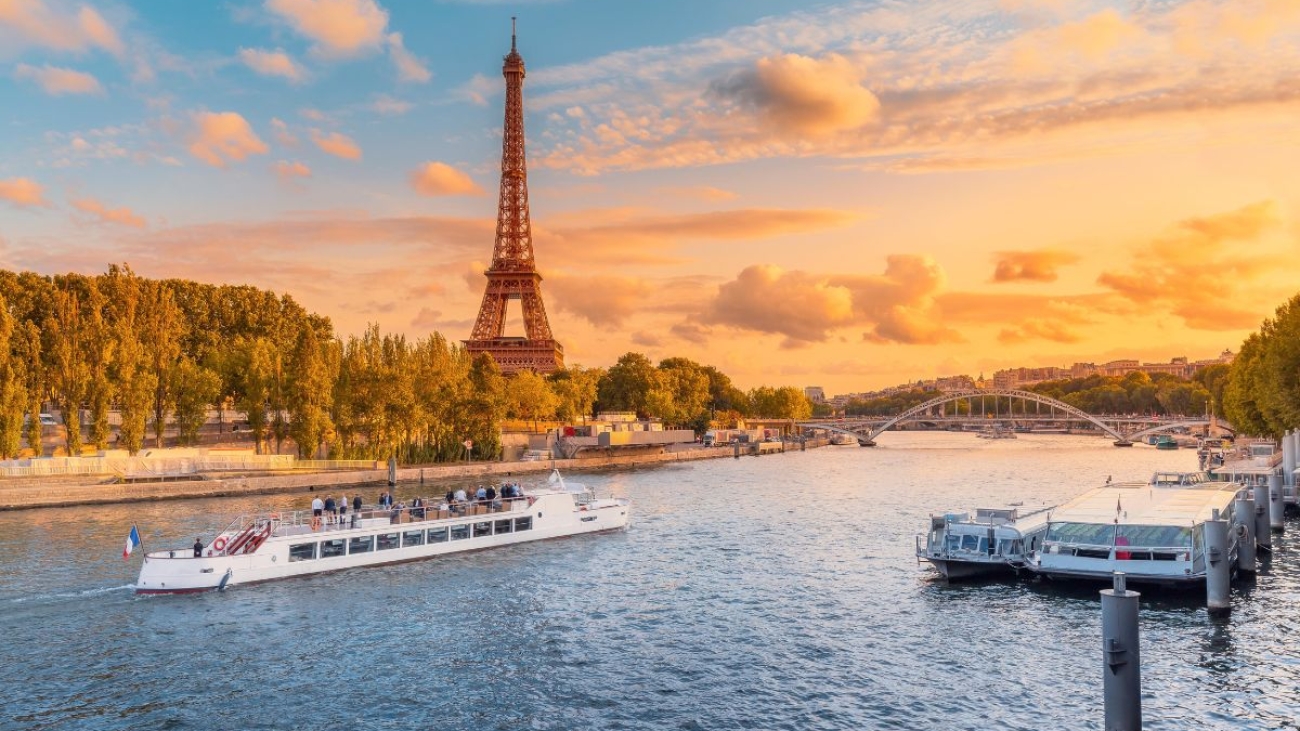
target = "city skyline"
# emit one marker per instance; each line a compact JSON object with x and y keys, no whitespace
{"x":851,"y":194}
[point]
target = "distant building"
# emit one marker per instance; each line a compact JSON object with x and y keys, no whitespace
{"x":815,"y":394}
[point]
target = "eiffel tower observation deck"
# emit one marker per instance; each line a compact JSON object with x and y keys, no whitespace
{"x":513,"y":273}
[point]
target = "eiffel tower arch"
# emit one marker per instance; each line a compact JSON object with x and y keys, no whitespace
{"x":513,"y":274}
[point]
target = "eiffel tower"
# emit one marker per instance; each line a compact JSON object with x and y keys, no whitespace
{"x":513,"y":274}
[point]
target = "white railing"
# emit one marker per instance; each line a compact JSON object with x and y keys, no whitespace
{"x":157,"y":467}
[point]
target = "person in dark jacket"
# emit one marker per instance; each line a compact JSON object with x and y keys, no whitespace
{"x":331,"y":509}
{"x":198,"y":548}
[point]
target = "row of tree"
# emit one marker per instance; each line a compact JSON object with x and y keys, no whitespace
{"x":1262,"y":396}
{"x":147,"y":353}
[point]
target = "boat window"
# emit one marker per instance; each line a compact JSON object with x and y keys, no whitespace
{"x":483,"y":529}
{"x":302,"y":552}
{"x":415,"y":538}
{"x":524,"y":523}
{"x":459,"y":532}
{"x":1085,"y":534}
{"x":329,"y":549}
{"x":385,"y":541}
{"x":361,"y":544}
{"x":438,"y":535}
{"x":503,"y":526}
{"x":953,"y":542}
{"x":970,"y":543}
{"x":1154,"y":536}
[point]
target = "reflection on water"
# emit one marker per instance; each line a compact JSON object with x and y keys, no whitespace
{"x":776,"y":593}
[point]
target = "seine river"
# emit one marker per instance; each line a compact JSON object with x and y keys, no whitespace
{"x":778,"y":592}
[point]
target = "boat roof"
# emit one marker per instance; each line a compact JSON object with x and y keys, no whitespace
{"x":1141,"y":504}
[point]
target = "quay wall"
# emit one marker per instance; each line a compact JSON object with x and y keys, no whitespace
{"x":54,"y":492}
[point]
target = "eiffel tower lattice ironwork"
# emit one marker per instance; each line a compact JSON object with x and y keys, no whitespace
{"x":513,"y":273}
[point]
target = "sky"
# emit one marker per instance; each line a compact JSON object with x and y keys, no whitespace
{"x":850,"y":194}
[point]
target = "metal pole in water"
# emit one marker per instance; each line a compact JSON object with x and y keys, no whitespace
{"x":1244,"y":510}
{"x":1263,"y":538}
{"x":736,"y":447}
{"x":1122,"y":664}
{"x":392,"y":471}
{"x":1218,"y":570}
{"x":1276,"y":508}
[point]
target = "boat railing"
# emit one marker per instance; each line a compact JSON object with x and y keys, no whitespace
{"x":291,"y":522}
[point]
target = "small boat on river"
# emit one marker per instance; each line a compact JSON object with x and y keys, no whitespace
{"x":997,"y":432}
{"x":286,"y":544}
{"x":995,"y":540}
{"x":1152,"y":531}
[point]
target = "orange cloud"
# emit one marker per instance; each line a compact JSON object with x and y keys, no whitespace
{"x":340,"y":28}
{"x":48,"y":26}
{"x":604,"y":301}
{"x":1032,"y":266}
{"x":337,"y":144}
{"x":1194,"y":271}
{"x":221,"y":137}
{"x":1091,"y":39}
{"x":438,"y":178}
{"x":23,"y":192}
{"x":798,"y":305}
{"x":699,"y":192}
{"x":409,"y":67}
{"x":121,"y":216}
{"x":272,"y":63}
{"x":59,"y":81}
{"x":803,"y":95}
{"x":286,"y":170}
{"x":1038,"y":329}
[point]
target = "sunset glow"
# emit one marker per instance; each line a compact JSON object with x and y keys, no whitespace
{"x":849,"y":195}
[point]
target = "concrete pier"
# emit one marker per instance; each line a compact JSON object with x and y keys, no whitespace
{"x":1244,"y":510}
{"x":1263,"y":536}
{"x":1121,"y":661}
{"x":1276,"y":506}
{"x":1218,"y":569}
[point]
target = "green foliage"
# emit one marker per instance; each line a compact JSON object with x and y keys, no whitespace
{"x":195,"y":387}
{"x":576,"y":388}
{"x":1262,"y":393}
{"x":530,"y":397}
{"x":13,"y":394}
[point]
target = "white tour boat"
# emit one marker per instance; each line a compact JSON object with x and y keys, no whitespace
{"x":282,"y":545}
{"x":1152,"y":531}
{"x":994,"y":541}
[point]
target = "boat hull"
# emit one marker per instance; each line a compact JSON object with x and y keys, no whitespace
{"x":304,"y":553}
{"x":956,"y":570}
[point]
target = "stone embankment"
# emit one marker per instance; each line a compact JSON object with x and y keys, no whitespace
{"x":18,"y":494}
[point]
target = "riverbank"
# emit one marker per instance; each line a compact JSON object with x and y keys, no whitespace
{"x":49,"y":492}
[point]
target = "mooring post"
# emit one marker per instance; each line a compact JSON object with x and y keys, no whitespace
{"x":1121,"y":661}
{"x":392,"y":471}
{"x":1276,"y":507}
{"x":736,"y":447}
{"x":1244,"y":510}
{"x":1218,"y":570}
{"x":803,"y":444}
{"x":1263,"y":537}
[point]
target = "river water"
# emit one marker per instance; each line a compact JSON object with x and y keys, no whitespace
{"x":778,"y":592}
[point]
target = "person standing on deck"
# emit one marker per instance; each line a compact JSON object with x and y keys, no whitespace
{"x":356,"y":503}
{"x":332,"y":509}
{"x":317,"y":507}
{"x":198,"y":548}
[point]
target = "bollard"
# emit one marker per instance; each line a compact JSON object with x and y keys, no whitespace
{"x":392,"y":471}
{"x":1263,"y":538}
{"x":1288,"y":459}
{"x":1244,"y":510}
{"x":736,"y":446}
{"x":421,"y":475}
{"x":1276,"y":508}
{"x":803,"y":444}
{"x":1122,"y":663}
{"x":1218,"y":569}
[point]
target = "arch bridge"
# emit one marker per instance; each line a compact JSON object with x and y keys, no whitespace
{"x":867,"y":431}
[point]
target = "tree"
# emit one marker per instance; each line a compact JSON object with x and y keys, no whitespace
{"x":161,"y":330}
{"x":530,"y":397}
{"x":256,"y":364}
{"x":13,"y":394}
{"x":309,"y":395}
{"x":195,"y":389}
{"x":576,"y":388}
{"x":627,"y":384}
{"x":70,"y":374}
{"x":130,"y":369}
{"x":486,"y":406}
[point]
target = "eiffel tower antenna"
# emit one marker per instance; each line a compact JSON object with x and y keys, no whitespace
{"x":513,"y":273}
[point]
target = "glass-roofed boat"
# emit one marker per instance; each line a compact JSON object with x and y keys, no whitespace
{"x":1152,"y":531}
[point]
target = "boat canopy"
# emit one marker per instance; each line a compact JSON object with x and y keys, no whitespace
{"x":1136,"y":504}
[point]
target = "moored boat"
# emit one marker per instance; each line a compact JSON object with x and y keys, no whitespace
{"x":995,"y":540}
{"x":996,"y":432}
{"x":1152,"y":531}
{"x":281,"y":545}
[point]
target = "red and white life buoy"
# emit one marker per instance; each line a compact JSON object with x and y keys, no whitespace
{"x":219,"y":544}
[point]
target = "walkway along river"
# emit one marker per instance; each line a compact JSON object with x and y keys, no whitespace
{"x":774,"y":593}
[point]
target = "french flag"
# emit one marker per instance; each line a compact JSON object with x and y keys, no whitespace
{"x":132,"y":541}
